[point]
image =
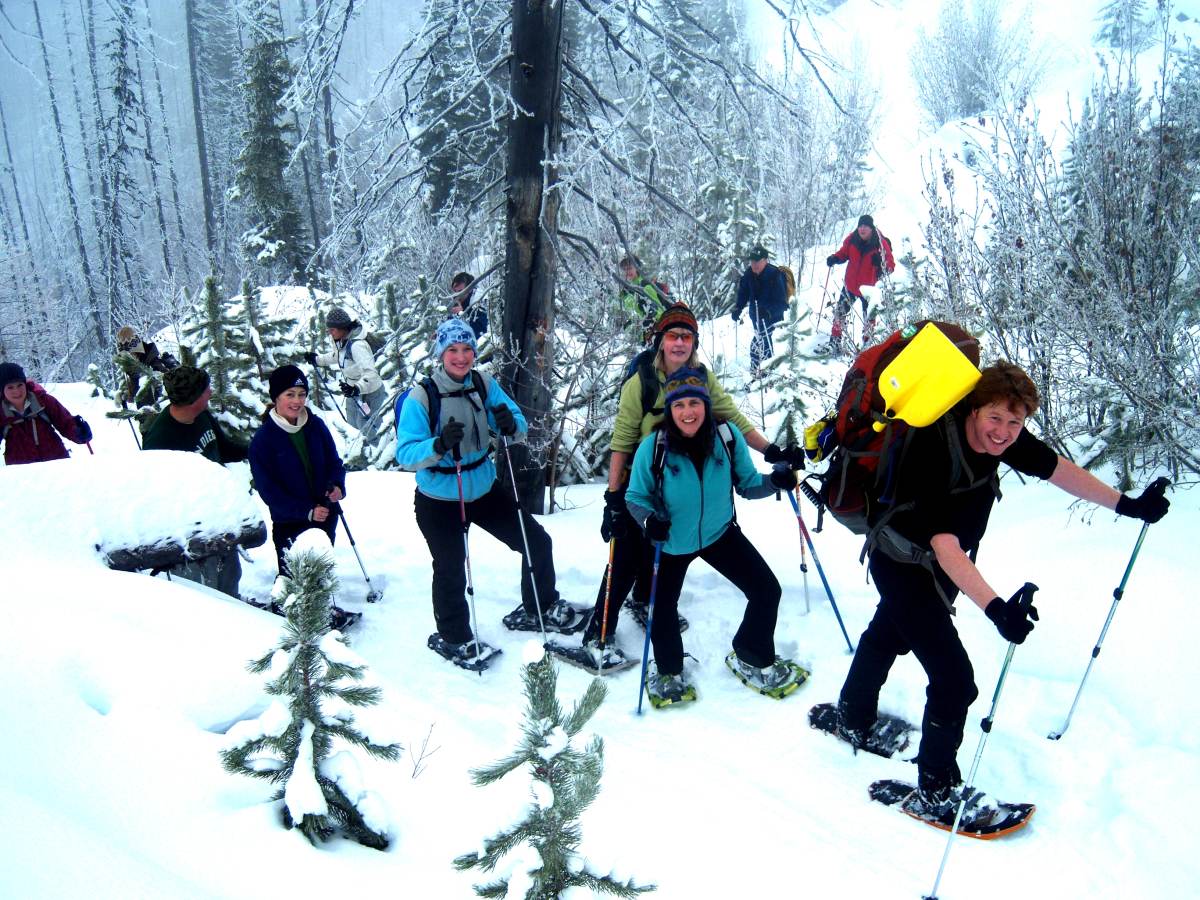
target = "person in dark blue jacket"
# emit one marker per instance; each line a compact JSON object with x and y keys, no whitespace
{"x":763,"y":289}
{"x":687,"y":507}
{"x":296,"y":467}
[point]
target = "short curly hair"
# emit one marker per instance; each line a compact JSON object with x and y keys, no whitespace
{"x":1007,"y":383}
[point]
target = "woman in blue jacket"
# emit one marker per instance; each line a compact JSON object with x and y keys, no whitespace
{"x":685,"y":503}
{"x":457,"y":487}
{"x":296,"y":467}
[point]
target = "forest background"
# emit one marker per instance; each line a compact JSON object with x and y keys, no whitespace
{"x":168,"y":164}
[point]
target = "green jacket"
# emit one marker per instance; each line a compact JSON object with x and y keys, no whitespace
{"x":631,"y":426}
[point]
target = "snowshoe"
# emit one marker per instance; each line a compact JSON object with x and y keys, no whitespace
{"x":887,"y":737}
{"x":777,"y":680}
{"x":560,"y":617}
{"x":271,"y":606}
{"x":590,"y":658}
{"x":343,"y":620}
{"x":470,"y":655}
{"x":641,"y":611}
{"x":982,"y":818}
{"x":668,"y":690}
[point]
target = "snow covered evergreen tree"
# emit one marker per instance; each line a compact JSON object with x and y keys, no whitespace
{"x":545,"y":862}
{"x":219,"y":343}
{"x":307,"y":740}
{"x":267,"y":340}
{"x":276,"y":242}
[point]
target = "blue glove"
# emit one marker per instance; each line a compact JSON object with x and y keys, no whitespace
{"x":84,"y":430}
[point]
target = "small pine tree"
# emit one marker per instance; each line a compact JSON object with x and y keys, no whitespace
{"x":267,"y":341}
{"x":219,"y":342}
{"x":565,"y":782}
{"x":788,"y":377}
{"x":293,"y":742}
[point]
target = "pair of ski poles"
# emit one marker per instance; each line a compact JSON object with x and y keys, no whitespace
{"x":462,"y":512}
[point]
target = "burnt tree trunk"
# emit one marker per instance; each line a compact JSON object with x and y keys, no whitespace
{"x":532,"y":211}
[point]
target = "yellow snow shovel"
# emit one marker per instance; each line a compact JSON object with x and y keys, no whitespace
{"x":928,"y":377}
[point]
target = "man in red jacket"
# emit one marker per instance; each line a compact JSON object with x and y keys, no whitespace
{"x":861,"y":249}
{"x":31,"y":420}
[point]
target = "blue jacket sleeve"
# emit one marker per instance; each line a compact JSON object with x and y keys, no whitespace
{"x":335,"y":470}
{"x":284,"y":504}
{"x":414,"y":439}
{"x":751,"y":483}
{"x":497,"y":397}
{"x":640,"y":497}
{"x":743,"y":293}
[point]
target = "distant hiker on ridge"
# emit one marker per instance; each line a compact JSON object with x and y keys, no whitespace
{"x":861,"y":249}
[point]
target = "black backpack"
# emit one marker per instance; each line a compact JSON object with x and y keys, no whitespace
{"x":434,"y":399}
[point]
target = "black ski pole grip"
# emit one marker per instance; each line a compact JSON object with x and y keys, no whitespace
{"x":1024,"y":596}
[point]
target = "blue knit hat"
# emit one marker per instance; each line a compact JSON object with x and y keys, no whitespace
{"x":452,"y":331}
{"x":687,"y":382}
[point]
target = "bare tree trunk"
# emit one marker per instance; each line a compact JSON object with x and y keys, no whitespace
{"x":210,"y":230}
{"x":152,"y":163}
{"x":532,"y":213}
{"x":101,"y":212}
{"x":35,"y":345}
{"x":84,"y":262}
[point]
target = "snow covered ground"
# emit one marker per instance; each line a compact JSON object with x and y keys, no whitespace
{"x":119,"y":687}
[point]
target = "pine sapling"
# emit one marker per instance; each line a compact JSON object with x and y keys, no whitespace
{"x":306,"y":741}
{"x":545,"y":862}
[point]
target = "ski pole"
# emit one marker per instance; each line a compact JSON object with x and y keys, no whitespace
{"x":612,"y":552}
{"x":321,"y":378}
{"x":462,"y":514}
{"x":820,"y":571}
{"x":524,"y":537}
{"x":1117,"y":594}
{"x":824,"y":296}
{"x":649,"y":624}
{"x":373,"y":596}
{"x":1024,"y":597}
{"x":804,"y":566}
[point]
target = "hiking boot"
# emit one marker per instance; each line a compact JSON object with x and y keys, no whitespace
{"x":670,"y":688}
{"x":766,"y":678}
{"x":607,"y":658}
{"x":940,"y":804}
{"x":855,"y":737}
{"x":342,"y":620}
{"x":558,"y":617}
{"x":641,"y":611}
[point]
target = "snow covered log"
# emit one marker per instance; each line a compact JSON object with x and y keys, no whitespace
{"x":129,"y":512}
{"x":170,"y":552}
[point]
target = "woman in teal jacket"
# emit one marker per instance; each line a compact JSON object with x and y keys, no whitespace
{"x":451,"y":455}
{"x":684,"y":502}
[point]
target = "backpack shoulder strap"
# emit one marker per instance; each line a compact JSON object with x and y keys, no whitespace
{"x":433,"y":398}
{"x":728,"y":441}
{"x":649,"y":377}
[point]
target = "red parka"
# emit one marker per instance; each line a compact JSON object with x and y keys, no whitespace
{"x":28,"y":435}
{"x":863,"y":260}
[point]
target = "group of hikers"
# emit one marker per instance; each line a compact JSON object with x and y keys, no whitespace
{"x":679,"y":451}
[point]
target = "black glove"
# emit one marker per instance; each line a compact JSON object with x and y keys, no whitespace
{"x":875,"y":260}
{"x":784,"y":479}
{"x":450,"y":438}
{"x":310,"y":358}
{"x":1151,"y":506}
{"x":792,"y":455}
{"x":1009,"y":617}
{"x":613,"y":523}
{"x":657,"y":529}
{"x":736,"y":315}
{"x":84,"y":429}
{"x":505,"y":420}
{"x":350,"y":390}
{"x":831,"y":260}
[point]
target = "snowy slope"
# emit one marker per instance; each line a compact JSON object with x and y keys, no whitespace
{"x":118,"y":689}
